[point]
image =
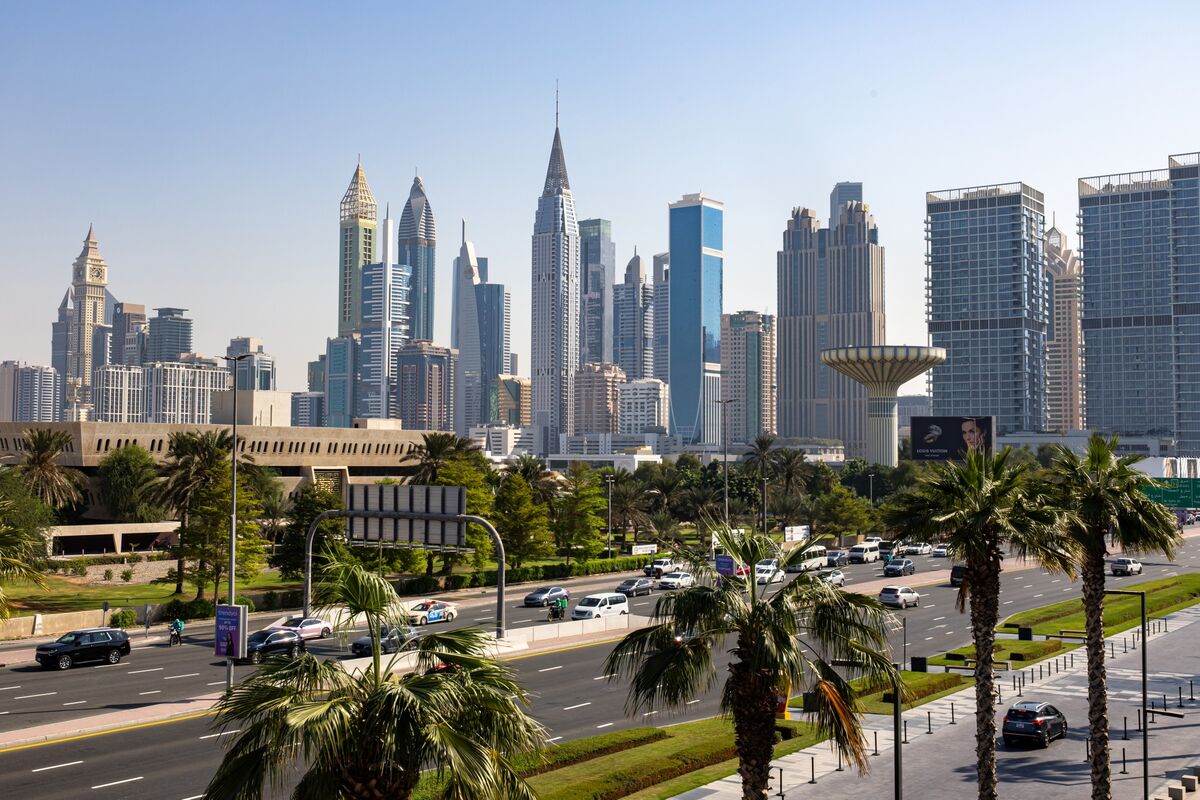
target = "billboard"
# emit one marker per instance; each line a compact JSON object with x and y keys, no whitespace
{"x":948,"y":438}
{"x":430,"y":534}
{"x":795,"y":533}
{"x":231,"y":632}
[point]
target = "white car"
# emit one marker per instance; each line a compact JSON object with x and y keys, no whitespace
{"x":768,"y":574}
{"x":304,"y":627}
{"x":873,"y":540}
{"x":834,"y":577}
{"x":941,"y":551}
{"x":429,"y":611}
{"x":676,"y":580}
{"x":918,"y":549}
{"x":899,"y":596}
{"x":1126,"y":566}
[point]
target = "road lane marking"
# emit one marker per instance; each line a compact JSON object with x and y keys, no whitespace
{"x":548,"y":741}
{"x":550,"y":669}
{"x":1036,"y":596}
{"x":1067,"y":589}
{"x":218,"y":735}
{"x":948,"y":633}
{"x":75,"y":702}
{"x":938,"y":619}
{"x":156,"y":691}
{"x":931,"y":605}
{"x":118,"y":783}
{"x":928,"y":638}
{"x":580,"y":705}
{"x":1027,"y":586}
{"x":215,"y":683}
{"x":605,"y":725}
{"x":189,"y":675}
{"x":56,"y":766}
{"x":139,"y":671}
{"x":689,"y":702}
{"x":483,"y":619}
{"x":1006,"y":602}
{"x":27,"y":696}
{"x":108,"y":732}
{"x":604,"y":677}
{"x":6,"y":688}
{"x":195,"y":797}
{"x":1057,"y":580}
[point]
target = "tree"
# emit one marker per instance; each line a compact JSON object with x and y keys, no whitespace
{"x":578,"y":520}
{"x":522,"y":524}
{"x":666,"y":529}
{"x":1103,"y":496}
{"x":309,"y":503}
{"x":467,"y":471}
{"x":629,"y":506}
{"x":840,"y":512}
{"x":761,"y":463}
{"x":192,"y":457}
{"x":55,"y":485}
{"x":128,"y":482}
{"x":666,"y":486}
{"x":789,"y":470}
{"x":207,"y":542}
{"x":790,"y":638}
{"x":456,"y":712}
{"x":977,"y":507}
{"x":22,"y":551}
{"x":435,"y":451}
{"x":272,"y":501}
{"x":540,"y":480}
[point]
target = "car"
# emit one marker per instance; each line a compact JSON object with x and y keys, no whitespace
{"x":546,"y":595}
{"x":272,"y":642}
{"x":606,"y":604}
{"x":82,"y":646}
{"x":305,"y":627}
{"x":917,"y":549}
{"x":768,"y":574}
{"x":872,"y":540}
{"x":899,"y":567}
{"x":837,"y":558}
{"x":889,"y":548}
{"x":635,"y":586}
{"x":957,"y":573}
{"x":834,"y":577}
{"x":941,"y":551}
{"x":1034,"y":721}
{"x":741,"y":571}
{"x":1126,"y":566}
{"x":676,"y":580}
{"x":661,"y":566}
{"x":391,"y":639}
{"x":899,"y":596}
{"x":428,"y":611}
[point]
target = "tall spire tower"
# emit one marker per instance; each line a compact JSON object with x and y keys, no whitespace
{"x":418,"y":246}
{"x":89,"y":279}
{"x":356,"y":248}
{"x":555,"y":323}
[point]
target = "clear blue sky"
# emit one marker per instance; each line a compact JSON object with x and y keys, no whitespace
{"x":210,"y":143}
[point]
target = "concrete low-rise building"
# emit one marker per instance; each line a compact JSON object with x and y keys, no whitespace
{"x":268,"y":408}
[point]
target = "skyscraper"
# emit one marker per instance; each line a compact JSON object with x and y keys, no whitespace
{"x":516,"y":401}
{"x":60,"y":335}
{"x":385,"y":327}
{"x":418,"y":247}
{"x":748,"y":374}
{"x":178,"y":393}
{"x":597,"y":394}
{"x":465,"y":337}
{"x":170,"y":335}
{"x":643,"y":407}
{"x":986,"y":303}
{"x":555,"y":312}
{"x":129,"y":331}
{"x":495,"y":335}
{"x":89,"y":279}
{"x":29,"y":393}
{"x":662,"y":317}
{"x":842,"y":195}
{"x":119,"y":393}
{"x":425,"y":386}
{"x":1064,"y":338}
{"x":830,"y":294}
{"x":257,"y":371}
{"x":697,"y":266}
{"x":342,"y":355}
{"x":633,"y":322}
{"x":356,"y":247}
{"x":597,"y":273}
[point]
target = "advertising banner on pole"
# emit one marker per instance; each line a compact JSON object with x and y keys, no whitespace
{"x":795,"y":533}
{"x":725,"y":565}
{"x":643,"y":549}
{"x":231,"y":632}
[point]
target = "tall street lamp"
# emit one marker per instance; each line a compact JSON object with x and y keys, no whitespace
{"x":233,"y":361}
{"x":897,"y":724}
{"x":725,"y":453}
{"x":1145,"y":719}
{"x":871,"y":475}
{"x":608,"y":479}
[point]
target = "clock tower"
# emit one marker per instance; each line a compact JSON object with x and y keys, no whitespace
{"x":89,"y":279}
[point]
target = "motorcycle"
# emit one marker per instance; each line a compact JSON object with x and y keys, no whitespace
{"x":176,"y":639}
{"x":556,"y":614}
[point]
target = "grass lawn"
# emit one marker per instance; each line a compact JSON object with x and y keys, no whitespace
{"x":1120,"y":612}
{"x":1017,"y":652}
{"x":924,"y":686}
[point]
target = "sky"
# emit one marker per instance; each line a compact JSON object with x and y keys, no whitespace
{"x":210,"y":143}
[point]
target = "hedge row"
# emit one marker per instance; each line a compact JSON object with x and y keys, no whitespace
{"x":198,"y":609}
{"x":1033,"y":651}
{"x":424,"y":584}
{"x":638,"y":775}
{"x":926,"y":686}
{"x":102,"y":561}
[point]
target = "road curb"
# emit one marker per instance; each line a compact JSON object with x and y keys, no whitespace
{"x":99,"y":730}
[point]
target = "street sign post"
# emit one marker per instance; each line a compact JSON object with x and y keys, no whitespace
{"x":725,"y":565}
{"x":1176,"y":492}
{"x":795,"y":533}
{"x":643,"y":549}
{"x":231,"y":632}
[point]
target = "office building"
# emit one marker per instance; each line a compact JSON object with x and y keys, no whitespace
{"x":661,"y":303}
{"x":909,"y":406}
{"x":830,"y":295}
{"x":119,"y":394}
{"x":597,"y":271}
{"x":555,"y":307}
{"x":170,"y":335}
{"x":748,"y":374}
{"x":1064,"y":338}
{"x":129,"y":332}
{"x":512,"y":363}
{"x":499,"y":442}
{"x":356,"y":247}
{"x":494,"y":304}
{"x":633,"y":322}
{"x":425,"y":386}
{"x":469,"y":404}
{"x":316,"y":374}
{"x":515,"y":406}
{"x":180,"y":393}
{"x":30,"y":393}
{"x":986,"y":303}
{"x":60,"y":335}
{"x":385,"y":321}
{"x":597,"y":392}
{"x":418,"y":246}
{"x":643,"y":407}
{"x":308,"y":409}
{"x":342,"y":355}
{"x":256,"y":371}
{"x":89,"y":299}
{"x":843,"y":194}
{"x":697,"y":266}
{"x":102,"y":345}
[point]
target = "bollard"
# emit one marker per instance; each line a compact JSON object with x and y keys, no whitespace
{"x":1123,"y":770}
{"x":1124,"y":645}
{"x":876,"y":744}
{"x":781,"y":794}
{"x":1126,"y":725}
{"x":1087,"y":750}
{"x":905,"y":731}
{"x":812,"y":760}
{"x":1164,"y":701}
{"x":1191,"y":690}
{"x":1139,"y":720}
{"x":1181,"y":697}
{"x":929,"y":714}
{"x":839,"y":766}
{"x":1020,"y":686}
{"x":952,"y":722}
{"x":1073,"y":658}
{"x":1014,"y":680}
{"x":999,"y":696}
{"x":1112,"y":650}
{"x":1039,"y":672}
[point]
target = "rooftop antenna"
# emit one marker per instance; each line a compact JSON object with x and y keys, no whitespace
{"x":556,"y":103}
{"x":464,"y":224}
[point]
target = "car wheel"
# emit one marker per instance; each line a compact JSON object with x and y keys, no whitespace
{"x":450,"y":616}
{"x":917,"y":602}
{"x":64,"y":662}
{"x":325,"y":633}
{"x":114,"y":657}
{"x":1044,"y":741}
{"x":1008,"y":742}
{"x":421,"y":620}
{"x":623,"y":613}
{"x":256,"y":657}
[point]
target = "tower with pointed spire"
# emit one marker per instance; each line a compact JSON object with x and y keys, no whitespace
{"x":555,"y":313}
{"x":89,"y":279}
{"x":356,"y":247}
{"x":418,"y":246}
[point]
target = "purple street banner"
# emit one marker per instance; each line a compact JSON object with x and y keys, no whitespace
{"x":231,"y":632}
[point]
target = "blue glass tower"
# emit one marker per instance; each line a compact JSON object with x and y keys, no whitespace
{"x":418,"y":246}
{"x":384,"y":331}
{"x":341,"y":380}
{"x":697,"y":266}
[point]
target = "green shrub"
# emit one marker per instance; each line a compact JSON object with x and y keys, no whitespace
{"x":79,"y":570}
{"x":108,"y":574}
{"x":456,"y":581}
{"x":423,"y":584}
{"x":270,"y":600}
{"x":124,"y":618}
{"x":245,"y":601}
{"x":188,"y":609}
{"x":293,"y":598}
{"x":127,"y":575}
{"x":932,"y":684}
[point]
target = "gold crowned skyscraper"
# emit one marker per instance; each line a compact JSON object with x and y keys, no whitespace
{"x":356,"y":248}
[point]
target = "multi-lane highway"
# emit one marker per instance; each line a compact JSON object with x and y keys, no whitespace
{"x":572,"y":696}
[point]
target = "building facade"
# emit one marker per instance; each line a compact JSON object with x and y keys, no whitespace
{"x":748,"y":374}
{"x":986,"y":303}
{"x":515,"y":395}
{"x":494,"y":304}
{"x":555,"y":308}
{"x":843,"y":194}
{"x":597,"y":395}
{"x":662,"y":317}
{"x":385,"y":313}
{"x":697,"y":267}
{"x":425,"y":386}
{"x":129,"y":333}
{"x":178,"y":393}
{"x":1064,"y":337}
{"x":356,"y":247}
{"x":308,"y":409}
{"x":633,"y":322}
{"x":120,"y":394}
{"x":89,"y":282}
{"x":643,"y":407}
{"x":418,"y":248}
{"x":830,"y":293}
{"x":30,"y":393}
{"x":256,"y":370}
{"x":170,"y":335}
{"x":597,"y":273}
{"x":342,"y":354}
{"x":470,"y":407}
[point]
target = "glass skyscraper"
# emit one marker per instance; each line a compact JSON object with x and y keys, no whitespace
{"x":418,"y":246}
{"x":356,"y":247}
{"x":986,"y":303}
{"x":633,"y":322}
{"x":384,"y":331}
{"x":697,"y":266}
{"x":597,"y":271}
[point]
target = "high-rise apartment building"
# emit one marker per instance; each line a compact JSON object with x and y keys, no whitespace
{"x":342,"y":354}
{"x":256,"y":371}
{"x":643,"y":407}
{"x":1064,"y":338}
{"x":89,"y":279}
{"x":697,"y":266}
{"x":356,"y":247}
{"x":316,"y":374}
{"x":843,"y":194}
{"x":30,"y":393}
{"x":662,"y":317}
{"x":1139,"y":236}
{"x":308,"y":409}
{"x":986,"y":303}
{"x":418,"y":248}
{"x":748,"y":374}
{"x":633,"y":322}
{"x":555,"y":308}
{"x":830,"y":294}
{"x":494,"y":304}
{"x":597,"y":273}
{"x":425,"y":386}
{"x":385,"y":320}
{"x":119,"y":393}
{"x":178,"y":393}
{"x":515,"y":401}
{"x":60,"y":335}
{"x":469,"y":404}
{"x":597,"y":395}
{"x":129,"y":332}
{"x":170,"y":335}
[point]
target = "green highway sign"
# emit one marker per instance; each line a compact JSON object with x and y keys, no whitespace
{"x":1176,"y":492}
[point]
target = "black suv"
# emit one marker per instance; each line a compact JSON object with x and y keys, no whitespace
{"x":261,"y":644}
{"x":899,"y":566}
{"x":957,"y":573}
{"x":1033,"y":721}
{"x":89,"y":644}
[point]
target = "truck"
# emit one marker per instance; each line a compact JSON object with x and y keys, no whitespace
{"x":660,"y":566}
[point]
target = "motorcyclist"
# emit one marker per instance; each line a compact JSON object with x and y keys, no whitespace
{"x":559,"y":609}
{"x":177,"y":631}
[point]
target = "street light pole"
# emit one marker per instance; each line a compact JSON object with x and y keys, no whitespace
{"x":725,"y":453}
{"x":233,"y":360}
{"x":871,"y":475}
{"x":1145,"y":719}
{"x":608,"y":479}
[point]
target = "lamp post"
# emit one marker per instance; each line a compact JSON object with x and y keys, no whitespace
{"x":233,"y":361}
{"x":608,"y":479}
{"x":897,"y":724}
{"x":871,"y":475}
{"x":1145,"y":718}
{"x":725,"y":453}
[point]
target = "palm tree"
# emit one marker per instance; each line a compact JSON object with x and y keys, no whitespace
{"x":978,"y":507}
{"x":628,"y":505}
{"x":20,"y":553}
{"x":541,"y":481}
{"x":666,"y":487}
{"x":789,"y":470}
{"x":1103,"y":495}
{"x":790,"y":509}
{"x":435,"y":451}
{"x":455,"y":712}
{"x":52,"y":483}
{"x":760,"y":461}
{"x":192,"y":456}
{"x":664,"y":525}
{"x":790,"y":638}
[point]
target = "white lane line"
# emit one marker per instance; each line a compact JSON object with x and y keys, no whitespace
{"x":75,"y":703}
{"x":689,"y":702}
{"x":548,"y":741}
{"x":56,"y":766}
{"x":643,"y":603}
{"x":173,"y":677}
{"x":117,"y":783}
{"x":27,"y":696}
{"x":1027,"y":586}
{"x":938,"y":619}
{"x":604,"y":677}
{"x":102,"y":666}
{"x":1057,"y":580}
{"x":140,"y":671}
{"x":605,"y":725}
{"x":215,"y":683}
{"x":483,"y":619}
{"x":948,"y":633}
{"x":195,"y":797}
{"x":1006,"y":602}
{"x":156,"y":691}
{"x":1067,"y":589}
{"x":6,"y":688}
{"x":218,"y":735}
{"x":579,"y":705}
{"x":550,"y":669}
{"x":928,"y":638}
{"x":931,"y":605}
{"x":649,"y":714}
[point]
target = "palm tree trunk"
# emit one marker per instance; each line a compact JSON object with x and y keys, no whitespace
{"x":1093,"y":609}
{"x":984,"y":585}
{"x":753,"y":724}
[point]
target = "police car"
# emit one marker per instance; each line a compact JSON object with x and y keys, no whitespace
{"x":428,"y":611}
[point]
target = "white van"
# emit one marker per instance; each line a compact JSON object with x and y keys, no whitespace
{"x":815,"y":557}
{"x":595,"y":606}
{"x":864,"y":553}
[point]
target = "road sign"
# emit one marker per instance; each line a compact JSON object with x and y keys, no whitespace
{"x":643,"y":549}
{"x":725,"y":565}
{"x":432,"y":534}
{"x":231,"y":632}
{"x":1176,"y":492}
{"x":795,"y":533}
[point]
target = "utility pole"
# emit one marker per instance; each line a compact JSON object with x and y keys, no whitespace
{"x":608,"y":479}
{"x":233,"y":360}
{"x":725,"y":453}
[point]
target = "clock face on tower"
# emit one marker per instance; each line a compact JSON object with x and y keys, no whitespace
{"x":97,"y":273}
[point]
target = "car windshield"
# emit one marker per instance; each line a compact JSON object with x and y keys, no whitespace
{"x":543,"y":590}
{"x":258,"y":637}
{"x":69,"y":638}
{"x":588,"y":602}
{"x":629,"y":583}
{"x":674,"y":575}
{"x":422,"y":606}
{"x":294,"y":622}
